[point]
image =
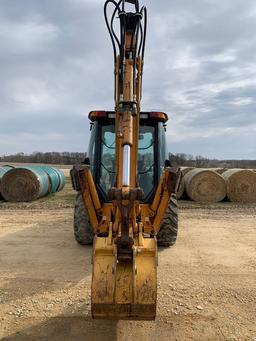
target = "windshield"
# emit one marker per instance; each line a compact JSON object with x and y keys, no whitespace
{"x":145,"y":158}
{"x":108,"y":161}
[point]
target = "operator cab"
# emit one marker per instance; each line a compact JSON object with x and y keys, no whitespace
{"x":152,"y":151}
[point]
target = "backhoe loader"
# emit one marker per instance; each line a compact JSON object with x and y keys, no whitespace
{"x":126,"y":187}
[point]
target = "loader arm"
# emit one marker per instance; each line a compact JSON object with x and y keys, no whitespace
{"x":124,"y":276}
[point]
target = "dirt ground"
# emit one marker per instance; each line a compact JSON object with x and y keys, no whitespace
{"x":206,"y":282}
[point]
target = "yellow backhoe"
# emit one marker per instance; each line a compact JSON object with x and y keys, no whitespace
{"x":126,"y":201}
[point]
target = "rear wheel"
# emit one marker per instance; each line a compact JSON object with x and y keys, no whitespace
{"x":168,"y":231}
{"x":82,"y":228}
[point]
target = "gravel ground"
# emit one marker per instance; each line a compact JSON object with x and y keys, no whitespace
{"x":206,"y":282}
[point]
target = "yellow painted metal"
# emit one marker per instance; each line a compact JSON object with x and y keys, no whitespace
{"x":128,"y":87}
{"x":89,"y":198}
{"x":93,"y":191}
{"x":124,"y":290}
{"x":157,"y":197}
{"x":161,"y":200}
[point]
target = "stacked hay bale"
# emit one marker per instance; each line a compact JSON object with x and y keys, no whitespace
{"x":181,"y":189}
{"x":241,"y":185}
{"x":24,"y":184}
{"x":218,"y":170}
{"x":205,"y":186}
{"x":3,"y":170}
{"x":56,"y":178}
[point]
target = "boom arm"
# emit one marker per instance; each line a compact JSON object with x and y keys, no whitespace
{"x":128,"y":80}
{"x":125,"y":248}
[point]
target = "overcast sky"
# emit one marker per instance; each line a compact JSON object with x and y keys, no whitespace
{"x":56,"y":65}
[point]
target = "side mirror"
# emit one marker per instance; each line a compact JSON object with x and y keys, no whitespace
{"x":167,"y":163}
{"x":86,"y":161}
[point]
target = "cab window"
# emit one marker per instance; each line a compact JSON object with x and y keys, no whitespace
{"x":145,"y":166}
{"x":146,"y":159}
{"x":162,"y":146}
{"x":108,"y":161}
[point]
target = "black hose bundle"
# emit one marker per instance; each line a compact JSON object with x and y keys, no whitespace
{"x":128,"y":21}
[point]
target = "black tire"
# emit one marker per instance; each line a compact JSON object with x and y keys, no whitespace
{"x":82,"y":228}
{"x":168,"y":231}
{"x":166,"y":236}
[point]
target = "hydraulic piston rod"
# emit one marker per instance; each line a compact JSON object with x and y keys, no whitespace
{"x":126,"y":164}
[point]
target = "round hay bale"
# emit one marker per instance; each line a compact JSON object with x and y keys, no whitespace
{"x":7,"y":166}
{"x":53,"y":178}
{"x":241,"y":185}
{"x":62,"y":179}
{"x":185,"y":170}
{"x":4,"y":169}
{"x":205,"y":186}
{"x":181,"y":189}
{"x":25,"y":184}
{"x":218,"y":170}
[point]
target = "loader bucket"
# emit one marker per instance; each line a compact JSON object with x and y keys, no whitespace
{"x":124,"y":290}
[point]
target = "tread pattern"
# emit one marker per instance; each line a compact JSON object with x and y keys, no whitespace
{"x":166,"y":236}
{"x":168,"y":231}
{"x":82,"y":228}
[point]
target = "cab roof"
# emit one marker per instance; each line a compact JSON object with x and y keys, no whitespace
{"x":152,"y":115}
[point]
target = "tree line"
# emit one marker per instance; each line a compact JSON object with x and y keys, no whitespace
{"x":57,"y":158}
{"x":178,"y":159}
{"x":187,"y":160}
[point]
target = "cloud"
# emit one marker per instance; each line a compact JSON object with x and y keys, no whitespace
{"x":56,"y":65}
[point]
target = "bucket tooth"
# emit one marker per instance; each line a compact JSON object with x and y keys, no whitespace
{"x":124,"y":290}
